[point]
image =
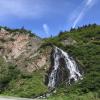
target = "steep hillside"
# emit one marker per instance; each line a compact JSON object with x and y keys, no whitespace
{"x":23,"y":63}
{"x":84,"y":45}
{"x":21,"y":48}
{"x":30,"y":57}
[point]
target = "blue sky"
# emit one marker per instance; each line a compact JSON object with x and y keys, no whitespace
{"x":48,"y":17}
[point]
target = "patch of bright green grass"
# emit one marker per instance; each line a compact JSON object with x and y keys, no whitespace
{"x":27,"y":87}
{"x":88,"y":96}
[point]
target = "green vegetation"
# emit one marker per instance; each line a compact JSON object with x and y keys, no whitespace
{"x":17,"y":31}
{"x":27,"y":86}
{"x":88,"y":96}
{"x":8,"y":72}
{"x":86,"y":51}
{"x":15,"y":83}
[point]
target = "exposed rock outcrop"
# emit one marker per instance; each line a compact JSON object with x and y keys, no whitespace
{"x":68,"y":41}
{"x":24,"y":50}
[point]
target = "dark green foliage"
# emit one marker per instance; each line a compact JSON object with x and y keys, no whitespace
{"x":22,"y":30}
{"x":8,"y":72}
{"x":15,"y":83}
{"x":87,"y":53}
{"x":27,"y":86}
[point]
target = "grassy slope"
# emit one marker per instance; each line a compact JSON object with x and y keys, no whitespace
{"x":27,"y":86}
{"x":87,"y":53}
{"x":88,"y":96}
{"x":14,"y":83}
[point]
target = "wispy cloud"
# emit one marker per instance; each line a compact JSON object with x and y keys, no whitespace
{"x":46,"y":29}
{"x":30,"y":8}
{"x":89,"y":2}
{"x":79,"y":13}
{"x":22,"y":8}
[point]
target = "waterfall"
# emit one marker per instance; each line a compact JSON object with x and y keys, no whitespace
{"x":70,"y":65}
{"x":54,"y":71}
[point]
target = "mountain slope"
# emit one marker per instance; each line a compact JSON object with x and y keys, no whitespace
{"x":23,"y":63}
{"x":33,"y":60}
{"x":86,"y":50}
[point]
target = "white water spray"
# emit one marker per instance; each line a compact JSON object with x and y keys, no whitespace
{"x":70,"y":65}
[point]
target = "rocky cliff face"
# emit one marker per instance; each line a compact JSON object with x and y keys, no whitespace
{"x":23,"y":50}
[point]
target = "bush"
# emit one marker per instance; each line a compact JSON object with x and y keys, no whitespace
{"x":7,"y":73}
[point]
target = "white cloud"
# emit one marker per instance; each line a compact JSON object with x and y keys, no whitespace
{"x":22,"y":8}
{"x":79,"y":13}
{"x":46,"y":29}
{"x":89,"y":2}
{"x":31,"y":8}
{"x":80,"y":16}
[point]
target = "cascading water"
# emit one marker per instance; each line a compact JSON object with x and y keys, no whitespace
{"x":53,"y":73}
{"x":70,"y":65}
